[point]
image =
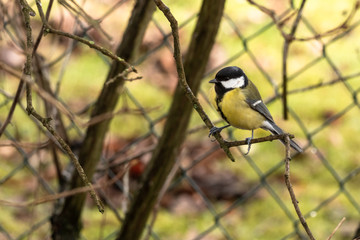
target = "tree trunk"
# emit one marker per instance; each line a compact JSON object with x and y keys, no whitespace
{"x":66,"y":223}
{"x":179,"y":115}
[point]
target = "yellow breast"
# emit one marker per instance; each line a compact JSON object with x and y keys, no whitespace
{"x":236,"y":110}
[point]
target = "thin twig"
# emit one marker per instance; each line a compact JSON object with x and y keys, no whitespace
{"x":280,"y":23}
{"x":287,"y":41}
{"x":38,"y":145}
{"x":91,"y":44}
{"x":121,"y":76}
{"x":291,"y":190}
{"x":337,"y":227}
{"x":93,"y":23}
{"x":127,"y":159}
{"x":12,"y":108}
{"x":54,"y":197}
{"x":336,"y":30}
{"x":63,"y":109}
{"x":322,"y":84}
{"x":48,"y":98}
{"x":41,"y":33}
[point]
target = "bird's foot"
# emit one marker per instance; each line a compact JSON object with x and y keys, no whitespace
{"x":214,"y":130}
{"x":248,"y":141}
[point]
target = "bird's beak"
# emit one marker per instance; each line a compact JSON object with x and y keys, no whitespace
{"x":213,"y":81}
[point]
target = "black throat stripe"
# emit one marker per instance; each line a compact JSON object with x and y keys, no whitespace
{"x":218,"y":100}
{"x":220,"y":91}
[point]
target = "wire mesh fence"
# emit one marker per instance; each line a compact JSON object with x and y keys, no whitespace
{"x":206,"y":196}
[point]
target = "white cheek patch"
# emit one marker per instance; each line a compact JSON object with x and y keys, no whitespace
{"x":234,"y":83}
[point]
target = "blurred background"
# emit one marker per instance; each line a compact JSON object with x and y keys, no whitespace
{"x":207,"y":196}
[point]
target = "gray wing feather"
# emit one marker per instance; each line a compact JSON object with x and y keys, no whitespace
{"x":274,"y":129}
{"x":255,"y":102}
{"x":261,"y":108}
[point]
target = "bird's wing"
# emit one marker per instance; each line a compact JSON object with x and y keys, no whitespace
{"x":255,"y":102}
{"x":259,"y":106}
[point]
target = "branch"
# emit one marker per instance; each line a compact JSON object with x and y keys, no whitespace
{"x":91,"y":44}
{"x":54,"y":197}
{"x":337,"y":227}
{"x":287,"y":42}
{"x":47,"y":97}
{"x":291,"y":190}
{"x":322,"y":84}
{"x":12,"y":108}
{"x":46,"y":121}
{"x":27,"y":11}
{"x":336,"y":30}
{"x":81,"y":12}
{"x":182,"y":79}
{"x":279,"y":22}
{"x":67,"y":149}
{"x":259,"y":140}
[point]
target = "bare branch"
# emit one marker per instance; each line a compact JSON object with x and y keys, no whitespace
{"x":91,"y":44}
{"x":181,"y":74}
{"x":287,"y":42}
{"x":54,"y":197}
{"x":46,"y":121}
{"x":336,"y":30}
{"x":291,"y":190}
{"x":280,"y":23}
{"x":337,"y":227}
{"x":258,"y":140}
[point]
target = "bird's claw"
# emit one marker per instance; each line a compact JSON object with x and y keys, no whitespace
{"x":214,"y":130}
{"x":248,"y":141}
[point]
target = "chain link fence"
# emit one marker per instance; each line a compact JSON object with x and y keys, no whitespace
{"x":207,"y":196}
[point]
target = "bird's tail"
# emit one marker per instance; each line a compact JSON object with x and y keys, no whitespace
{"x":275,"y":130}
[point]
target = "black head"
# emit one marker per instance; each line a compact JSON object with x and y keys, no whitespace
{"x":229,"y":78}
{"x":229,"y":73}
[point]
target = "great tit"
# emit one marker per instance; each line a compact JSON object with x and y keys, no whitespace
{"x":239,"y":103}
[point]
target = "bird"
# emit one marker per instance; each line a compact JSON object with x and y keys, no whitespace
{"x":239,"y":103}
